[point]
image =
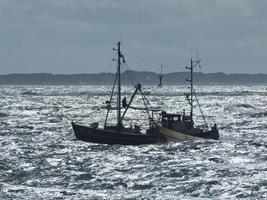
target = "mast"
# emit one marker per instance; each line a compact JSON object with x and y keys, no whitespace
{"x":119,"y":57}
{"x":190,"y":99}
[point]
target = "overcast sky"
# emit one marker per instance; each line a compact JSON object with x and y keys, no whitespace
{"x":77,"y":36}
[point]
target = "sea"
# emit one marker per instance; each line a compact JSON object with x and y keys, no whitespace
{"x":40,"y":158}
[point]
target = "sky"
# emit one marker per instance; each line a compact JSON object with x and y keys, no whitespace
{"x":77,"y":36}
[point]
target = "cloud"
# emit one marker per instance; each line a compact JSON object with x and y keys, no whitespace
{"x":75,"y":36}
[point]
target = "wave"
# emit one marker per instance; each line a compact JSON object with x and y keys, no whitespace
{"x":171,"y":93}
{"x":243,"y":105}
{"x":241,"y":108}
{"x":259,"y":115}
{"x":30,"y":93}
{"x":3,"y":114}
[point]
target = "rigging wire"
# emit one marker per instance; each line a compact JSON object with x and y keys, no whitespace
{"x":152,"y":62}
{"x":105,"y":71}
{"x":203,"y":116}
{"x":87,"y":98}
{"x":201,"y":93}
{"x":101,"y":77}
{"x":146,"y":103}
{"x":144,"y":98}
{"x":128,"y":68}
{"x":132,"y":79}
{"x":111,"y":96}
{"x":83,"y":114}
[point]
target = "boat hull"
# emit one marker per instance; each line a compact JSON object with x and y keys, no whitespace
{"x":179,"y":136}
{"x":101,"y":136}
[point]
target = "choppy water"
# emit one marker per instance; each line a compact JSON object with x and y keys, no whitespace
{"x":41,"y":159}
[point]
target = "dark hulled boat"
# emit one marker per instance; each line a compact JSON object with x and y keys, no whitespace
{"x":122,"y":137}
{"x":118,"y":134}
{"x":179,"y":127}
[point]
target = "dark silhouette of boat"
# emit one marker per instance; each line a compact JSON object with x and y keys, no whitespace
{"x":178,"y":127}
{"x":122,"y":137}
{"x":118,"y":134}
{"x":160,"y":77}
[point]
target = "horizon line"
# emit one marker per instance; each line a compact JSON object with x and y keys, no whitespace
{"x":87,"y":73}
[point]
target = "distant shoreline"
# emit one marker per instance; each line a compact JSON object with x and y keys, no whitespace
{"x":148,"y":78}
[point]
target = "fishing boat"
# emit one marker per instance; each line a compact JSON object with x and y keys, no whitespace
{"x":180,"y":126}
{"x":160,"y":77}
{"x":118,"y":133}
